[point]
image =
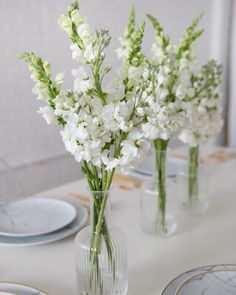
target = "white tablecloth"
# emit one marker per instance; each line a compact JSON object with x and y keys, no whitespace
{"x":153,"y":262}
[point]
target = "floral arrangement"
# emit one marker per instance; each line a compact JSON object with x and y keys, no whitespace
{"x":166,"y":93}
{"x":106,"y":126}
{"x":204,"y":118}
{"x":101,"y":125}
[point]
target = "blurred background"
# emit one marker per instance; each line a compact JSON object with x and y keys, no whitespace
{"x":33,"y":150}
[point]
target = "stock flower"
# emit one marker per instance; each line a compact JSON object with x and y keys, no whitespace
{"x":205,"y":113}
{"x":82,"y":83}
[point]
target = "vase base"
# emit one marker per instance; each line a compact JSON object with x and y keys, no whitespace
{"x":158,"y":228}
{"x":110,"y":277}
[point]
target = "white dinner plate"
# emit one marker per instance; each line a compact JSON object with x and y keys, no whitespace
{"x":78,"y":223}
{"x":173,"y":286}
{"x":215,"y":282}
{"x":19,"y":289}
{"x":34,"y":216}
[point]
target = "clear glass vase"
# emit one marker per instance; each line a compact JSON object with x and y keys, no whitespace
{"x":101,"y":252}
{"x":153,"y":219}
{"x":193,"y":184}
{"x":153,"y":206}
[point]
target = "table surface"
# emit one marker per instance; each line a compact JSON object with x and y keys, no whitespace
{"x":152,"y":262}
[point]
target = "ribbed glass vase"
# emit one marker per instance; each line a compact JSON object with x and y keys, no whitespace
{"x":101,"y":252}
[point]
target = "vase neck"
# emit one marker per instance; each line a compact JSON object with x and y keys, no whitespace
{"x":100,"y":208}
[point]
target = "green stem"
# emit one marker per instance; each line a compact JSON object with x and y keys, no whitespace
{"x":99,"y":229}
{"x":96,"y":177}
{"x":88,"y":174}
{"x":161,"y":147}
{"x":193,"y":174}
{"x":100,"y":93}
{"x":104,"y":177}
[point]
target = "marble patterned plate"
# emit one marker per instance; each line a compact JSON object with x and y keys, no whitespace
{"x":19,"y":289}
{"x":173,"y":286}
{"x":34,"y":216}
{"x":215,"y":282}
{"x":79,"y":222}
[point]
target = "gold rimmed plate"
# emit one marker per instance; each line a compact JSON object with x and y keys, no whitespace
{"x":215,"y":282}
{"x":175,"y":284}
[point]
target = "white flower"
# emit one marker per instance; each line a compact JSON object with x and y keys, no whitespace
{"x":205,"y":111}
{"x":41,"y":89}
{"x":108,"y":118}
{"x":77,"y":18}
{"x":135,"y":73}
{"x":77,"y":53}
{"x":85,"y":34}
{"x":129,"y":151}
{"x":60,"y":78}
{"x":65,"y":23}
{"x":89,"y":53}
{"x":48,"y":114}
{"x":157,"y":54}
{"x":109,"y":162}
{"x":82,"y":83}
{"x":80,"y":73}
{"x":122,"y":53}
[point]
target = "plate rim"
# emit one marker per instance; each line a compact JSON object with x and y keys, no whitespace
{"x":24,"y":285}
{"x":25,"y":235}
{"x":201,"y":274}
{"x":69,"y":231}
{"x":193,"y":269}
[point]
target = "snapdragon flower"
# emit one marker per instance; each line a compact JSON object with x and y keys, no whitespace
{"x":101,"y":126}
{"x":168,"y":83}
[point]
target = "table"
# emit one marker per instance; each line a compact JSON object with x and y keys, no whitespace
{"x":153,"y":262}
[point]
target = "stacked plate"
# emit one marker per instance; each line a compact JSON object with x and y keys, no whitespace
{"x":35,"y":221}
{"x":207,"y":280}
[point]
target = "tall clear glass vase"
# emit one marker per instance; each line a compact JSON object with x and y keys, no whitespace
{"x":193,"y":182}
{"x":101,"y":252}
{"x":155,"y":219}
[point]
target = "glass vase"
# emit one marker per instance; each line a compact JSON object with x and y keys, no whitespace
{"x":153,"y":219}
{"x":193,"y":185}
{"x":101,"y":252}
{"x":153,"y":204}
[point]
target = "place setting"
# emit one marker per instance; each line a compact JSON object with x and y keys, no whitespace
{"x":35,"y":221}
{"x":206,"y":280}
